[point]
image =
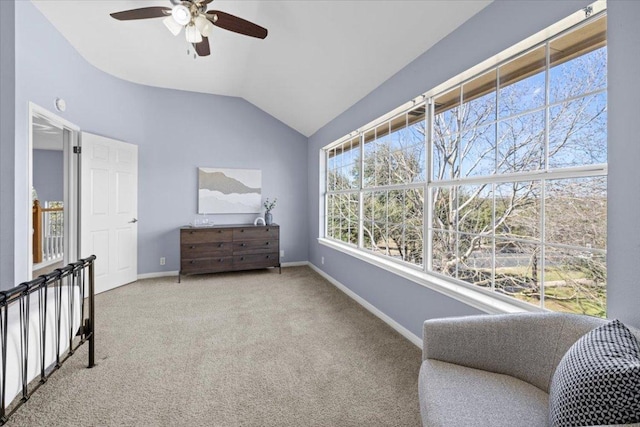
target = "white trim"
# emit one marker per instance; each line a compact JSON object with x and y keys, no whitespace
{"x":174,"y":273}
{"x":417,"y":341}
{"x":295,"y":264}
{"x":158,"y":274}
{"x":587,"y":171}
{"x":475,"y":298}
{"x":71,"y":196}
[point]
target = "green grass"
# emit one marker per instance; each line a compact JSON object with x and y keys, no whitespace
{"x":591,"y":303}
{"x":589,"y":300}
{"x":550,"y":275}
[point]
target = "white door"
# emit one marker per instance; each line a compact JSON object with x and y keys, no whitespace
{"x":109,"y":209}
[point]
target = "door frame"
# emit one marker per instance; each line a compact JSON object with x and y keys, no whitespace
{"x":71,"y":198}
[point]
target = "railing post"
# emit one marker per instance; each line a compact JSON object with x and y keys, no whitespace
{"x":3,"y":332}
{"x":92,"y":327}
{"x":37,"y":232}
{"x":24,"y":305}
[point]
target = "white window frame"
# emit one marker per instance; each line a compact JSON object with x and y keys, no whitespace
{"x":482,"y":299}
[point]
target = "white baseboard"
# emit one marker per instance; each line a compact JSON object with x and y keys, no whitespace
{"x":375,"y":311}
{"x":175,"y":272}
{"x":295,"y":264}
{"x":158,"y":274}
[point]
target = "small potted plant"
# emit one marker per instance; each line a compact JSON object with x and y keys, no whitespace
{"x":268,"y":207}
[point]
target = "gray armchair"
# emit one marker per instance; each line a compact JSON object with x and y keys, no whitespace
{"x":494,"y":370}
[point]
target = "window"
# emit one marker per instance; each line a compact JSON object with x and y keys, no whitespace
{"x":343,"y":181}
{"x":498,"y":182}
{"x":393,"y":187}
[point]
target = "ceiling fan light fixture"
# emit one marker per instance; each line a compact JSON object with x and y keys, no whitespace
{"x":203,"y":25}
{"x":172,"y":25}
{"x":192,"y":34}
{"x":181,"y":14}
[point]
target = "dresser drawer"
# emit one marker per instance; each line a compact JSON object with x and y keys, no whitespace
{"x":205,"y":235}
{"x":206,"y":250}
{"x":255,"y":246}
{"x":206,"y":265}
{"x":248,"y":262}
{"x":251,"y":233}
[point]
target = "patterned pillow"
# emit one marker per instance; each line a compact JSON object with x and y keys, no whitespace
{"x":598,"y":380}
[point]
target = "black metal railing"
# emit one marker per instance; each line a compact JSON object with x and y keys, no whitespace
{"x":74,"y":278}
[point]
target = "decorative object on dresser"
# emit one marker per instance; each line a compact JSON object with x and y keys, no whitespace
{"x":228,"y":248}
{"x":268,"y":207}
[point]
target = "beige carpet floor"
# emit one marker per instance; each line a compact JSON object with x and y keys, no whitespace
{"x":237,"y":349}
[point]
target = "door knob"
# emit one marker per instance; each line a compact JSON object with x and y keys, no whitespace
{"x":133,"y":221}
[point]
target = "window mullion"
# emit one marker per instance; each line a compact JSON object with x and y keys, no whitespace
{"x":543,"y":182}
{"x":493,"y":237}
{"x":427,"y":247}
{"x":326,"y":193}
{"x":361,"y":194}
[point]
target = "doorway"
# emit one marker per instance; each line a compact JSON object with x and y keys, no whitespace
{"x":54,"y":200}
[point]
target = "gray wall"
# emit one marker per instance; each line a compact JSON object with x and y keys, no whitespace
{"x":7,"y":140}
{"x":497,"y":27}
{"x":48,"y":178}
{"x":175,"y":131}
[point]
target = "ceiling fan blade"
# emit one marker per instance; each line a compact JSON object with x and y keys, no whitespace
{"x":202,"y":48}
{"x":235,"y":24}
{"x":143,"y":13}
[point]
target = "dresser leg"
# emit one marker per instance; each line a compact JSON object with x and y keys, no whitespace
{"x":179,"y":276}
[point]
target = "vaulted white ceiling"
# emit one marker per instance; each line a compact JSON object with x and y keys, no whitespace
{"x":319,"y":58}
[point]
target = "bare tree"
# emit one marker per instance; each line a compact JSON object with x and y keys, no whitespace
{"x":489,"y":234}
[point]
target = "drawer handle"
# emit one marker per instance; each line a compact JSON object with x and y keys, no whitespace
{"x":192,"y":262}
{"x":192,"y":247}
{"x":267,"y":256}
{"x":220,"y":245}
{"x":242,"y":231}
{"x":241,"y":258}
{"x":220,"y":260}
{"x":243,"y":244}
{"x":267,"y":243}
{"x":191,"y":232}
{"x":219,"y":231}
{"x":267,"y":229}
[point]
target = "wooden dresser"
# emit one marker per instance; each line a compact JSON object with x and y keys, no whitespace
{"x":228,"y":248}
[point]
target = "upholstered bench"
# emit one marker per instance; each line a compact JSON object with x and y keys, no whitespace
{"x":499,"y":370}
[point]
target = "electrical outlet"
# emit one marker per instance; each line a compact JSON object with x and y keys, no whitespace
{"x":162,"y":260}
{"x":322,"y":260}
{"x":282,"y":254}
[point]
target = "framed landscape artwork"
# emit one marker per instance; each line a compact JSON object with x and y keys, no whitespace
{"x":223,"y":191}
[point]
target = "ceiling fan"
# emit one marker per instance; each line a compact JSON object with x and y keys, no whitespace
{"x":193,"y":16}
